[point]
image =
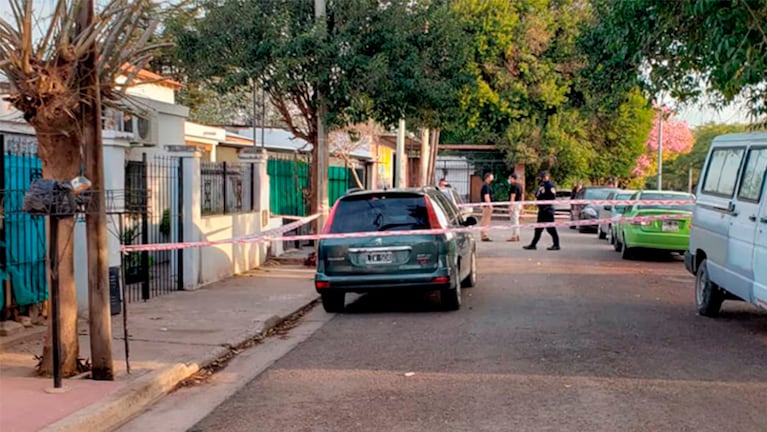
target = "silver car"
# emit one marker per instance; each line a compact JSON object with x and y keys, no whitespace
{"x":608,"y":211}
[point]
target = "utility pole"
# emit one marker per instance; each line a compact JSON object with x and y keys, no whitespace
{"x":660,"y":147}
{"x":100,"y":322}
{"x":425,"y":157}
{"x":689,"y":179}
{"x":323,"y":159}
{"x":401,"y":180}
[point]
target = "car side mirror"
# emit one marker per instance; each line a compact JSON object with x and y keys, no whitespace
{"x":470,"y":221}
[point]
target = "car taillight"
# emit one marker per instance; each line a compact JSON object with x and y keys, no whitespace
{"x":321,"y":284}
{"x":441,"y":279}
{"x":432,"y":215}
{"x":329,"y":222}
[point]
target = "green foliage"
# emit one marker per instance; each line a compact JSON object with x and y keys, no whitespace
{"x":535,"y":99}
{"x":682,"y":47}
{"x":165,"y":223}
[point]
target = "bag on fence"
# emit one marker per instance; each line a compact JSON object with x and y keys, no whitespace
{"x":46,"y":197}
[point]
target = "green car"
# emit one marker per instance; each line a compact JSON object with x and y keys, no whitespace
{"x":439,"y":262}
{"x":661,"y":234}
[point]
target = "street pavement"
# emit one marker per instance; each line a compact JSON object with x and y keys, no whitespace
{"x":571,"y":340}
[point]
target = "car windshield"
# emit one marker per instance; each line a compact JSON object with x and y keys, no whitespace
{"x":666,"y":197}
{"x":392,"y":213}
{"x":596,"y":194}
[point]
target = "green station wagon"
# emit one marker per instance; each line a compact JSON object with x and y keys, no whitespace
{"x":441,"y":262}
{"x":671,"y":234}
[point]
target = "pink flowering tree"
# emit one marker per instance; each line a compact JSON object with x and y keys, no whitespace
{"x":677,"y":140}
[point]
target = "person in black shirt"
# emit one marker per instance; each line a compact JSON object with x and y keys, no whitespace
{"x":515,"y":196}
{"x":546,"y":191}
{"x":486,"y":194}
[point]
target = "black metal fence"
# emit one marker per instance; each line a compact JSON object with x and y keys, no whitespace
{"x":459,"y":172}
{"x":152,"y":214}
{"x":227,"y":187}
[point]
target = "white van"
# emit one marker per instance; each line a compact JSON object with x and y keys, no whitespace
{"x":728,"y":239}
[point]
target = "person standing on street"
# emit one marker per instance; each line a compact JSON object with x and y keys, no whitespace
{"x":486,"y":194}
{"x":545,"y":192}
{"x":515,"y":196}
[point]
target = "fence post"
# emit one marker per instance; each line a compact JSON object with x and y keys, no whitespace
{"x":180,"y":228}
{"x":190,"y":212}
{"x":252,"y":186}
{"x":226,"y":196}
{"x":145,"y":235}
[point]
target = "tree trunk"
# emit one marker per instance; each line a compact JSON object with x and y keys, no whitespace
{"x":434,"y":150}
{"x":60,"y":156}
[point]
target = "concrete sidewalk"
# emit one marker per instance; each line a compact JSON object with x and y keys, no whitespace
{"x":170,"y":338}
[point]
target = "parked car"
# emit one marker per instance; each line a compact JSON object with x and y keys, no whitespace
{"x":563,"y":207}
{"x":660,"y":234}
{"x":589,"y":211}
{"x":609,"y":211}
{"x":444,"y":262}
{"x":728,"y":242}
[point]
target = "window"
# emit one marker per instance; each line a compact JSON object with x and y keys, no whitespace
{"x":448,"y":207}
{"x":597,"y":194}
{"x":660,"y":196}
{"x":722,"y":171}
{"x":753,"y":176}
{"x":368,"y":214}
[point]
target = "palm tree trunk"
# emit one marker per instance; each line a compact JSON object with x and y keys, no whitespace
{"x":60,"y":156}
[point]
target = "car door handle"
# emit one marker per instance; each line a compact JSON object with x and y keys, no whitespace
{"x":752,"y":218}
{"x":763,"y":220}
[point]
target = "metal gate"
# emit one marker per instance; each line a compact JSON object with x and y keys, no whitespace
{"x":152,"y":214}
{"x":22,"y":237}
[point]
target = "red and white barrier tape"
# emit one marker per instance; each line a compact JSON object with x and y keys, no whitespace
{"x":251,"y":238}
{"x":583,"y":202}
{"x":273,"y":235}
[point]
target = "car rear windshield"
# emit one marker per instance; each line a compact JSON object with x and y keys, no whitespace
{"x":596,"y":194}
{"x":385,"y":213}
{"x":666,"y":196}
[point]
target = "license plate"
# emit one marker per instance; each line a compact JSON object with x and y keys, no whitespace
{"x":380,"y":258}
{"x":670,"y":226}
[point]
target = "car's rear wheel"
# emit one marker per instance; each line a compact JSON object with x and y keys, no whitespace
{"x":333,"y":302}
{"x":451,"y":297}
{"x":708,"y":296}
{"x":618,"y":245}
{"x":471,"y":279}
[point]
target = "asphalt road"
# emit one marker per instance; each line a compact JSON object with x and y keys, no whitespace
{"x":575,"y":340}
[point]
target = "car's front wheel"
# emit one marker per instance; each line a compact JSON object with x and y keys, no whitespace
{"x":708,"y":296}
{"x":333,"y":302}
{"x":617,"y":245}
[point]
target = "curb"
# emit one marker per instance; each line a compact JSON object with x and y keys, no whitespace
{"x":133,"y":399}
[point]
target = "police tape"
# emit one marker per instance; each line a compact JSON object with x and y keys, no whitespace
{"x":250,"y":238}
{"x":275,"y":235}
{"x":670,"y":203}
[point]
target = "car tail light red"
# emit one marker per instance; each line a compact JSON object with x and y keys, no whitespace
{"x":432,"y":214}
{"x":329,"y":221}
{"x":321,"y":284}
{"x":441,"y":279}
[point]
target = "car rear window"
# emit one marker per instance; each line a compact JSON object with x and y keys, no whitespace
{"x":387,"y":213}
{"x":666,"y":196}
{"x":597,"y":194}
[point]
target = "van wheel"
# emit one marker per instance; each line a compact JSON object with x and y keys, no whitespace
{"x":333,"y":302}
{"x":471,"y":279}
{"x":708,"y":296}
{"x":451,"y":297}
